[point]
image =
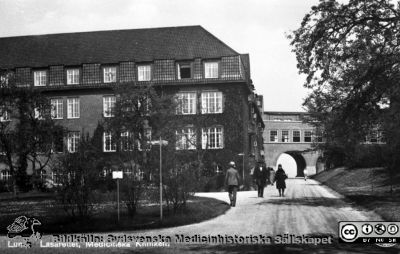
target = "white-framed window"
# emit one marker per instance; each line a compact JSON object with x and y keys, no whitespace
{"x":273,"y":136}
{"x":110,"y":74}
{"x":40,"y":78}
{"x":56,"y":177}
{"x":211,"y":102}
{"x":56,"y":108}
{"x":296,"y":136}
{"x":73,"y":141}
{"x":144,"y":72}
{"x":109,"y":105}
{"x":184,"y":70}
{"x":72,"y":76}
{"x":212,"y":138}
{"x":308,"y":136}
{"x":126,"y":141}
{"x":211,"y":69}
{"x":5,"y":175}
{"x":109,"y":144}
{"x":73,"y":106}
{"x":4,"y":115}
{"x":285,"y":136}
{"x":186,"y":139}
{"x":187,"y":103}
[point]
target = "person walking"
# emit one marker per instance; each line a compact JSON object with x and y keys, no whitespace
{"x":280,"y":177}
{"x":232,"y":181}
{"x":261,"y":176}
{"x":305,"y":172}
{"x":271,"y":175}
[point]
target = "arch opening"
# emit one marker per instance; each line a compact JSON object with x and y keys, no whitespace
{"x":293,"y":163}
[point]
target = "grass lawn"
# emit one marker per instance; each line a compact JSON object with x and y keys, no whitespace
{"x":104,"y":219}
{"x":367,"y":187}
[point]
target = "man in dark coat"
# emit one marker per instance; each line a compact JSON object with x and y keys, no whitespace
{"x":232,"y":181}
{"x":261,"y":176}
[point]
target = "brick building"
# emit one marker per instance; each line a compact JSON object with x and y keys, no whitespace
{"x":77,"y":72}
{"x":286,"y":132}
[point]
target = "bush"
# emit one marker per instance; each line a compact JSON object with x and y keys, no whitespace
{"x":180,"y":184}
{"x":78,"y":177}
{"x":369,"y":156}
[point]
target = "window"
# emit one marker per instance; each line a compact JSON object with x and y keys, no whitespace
{"x":285,"y":136}
{"x":5,"y":175}
{"x":185,"y":139}
{"x":72,"y":76}
{"x":73,"y":108}
{"x":109,"y":142}
{"x":56,"y":108}
{"x":56,"y":178}
{"x":4,"y":80}
{"x":144,"y":73}
{"x":108,"y":106}
{"x":211,"y":102}
{"x":318,"y":136}
{"x":296,"y":136}
{"x":273,"y":136}
{"x":4,"y":115}
{"x":307,"y":136}
{"x":212,"y":138}
{"x":73,"y":141}
{"x":110,"y":74}
{"x":145,"y":140}
{"x":40,"y":78}
{"x":126,"y":141}
{"x":211,"y":70}
{"x":184,"y":70}
{"x":187,"y":103}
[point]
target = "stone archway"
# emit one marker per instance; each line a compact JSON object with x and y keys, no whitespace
{"x":300,"y":164}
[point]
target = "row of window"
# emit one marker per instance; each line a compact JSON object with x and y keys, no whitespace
{"x":186,"y":139}
{"x":211,"y":103}
{"x":144,"y":73}
{"x":375,"y":137}
{"x":296,"y":137}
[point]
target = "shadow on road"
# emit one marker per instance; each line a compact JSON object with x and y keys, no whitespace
{"x":306,"y":201}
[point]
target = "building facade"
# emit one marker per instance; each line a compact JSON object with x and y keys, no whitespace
{"x":286,"y":132}
{"x":77,"y":72}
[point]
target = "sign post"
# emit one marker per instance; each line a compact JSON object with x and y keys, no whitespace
{"x":160,"y":143}
{"x":161,"y":207}
{"x":117,"y":175}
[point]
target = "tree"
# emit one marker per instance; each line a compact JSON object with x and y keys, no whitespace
{"x":27,"y":131}
{"x":349,"y":53}
{"x":138,"y":115}
{"x":78,"y":174}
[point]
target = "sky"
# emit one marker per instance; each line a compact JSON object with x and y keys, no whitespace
{"x":257,"y":27}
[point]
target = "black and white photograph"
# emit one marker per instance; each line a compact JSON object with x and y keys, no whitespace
{"x":199,"y":126}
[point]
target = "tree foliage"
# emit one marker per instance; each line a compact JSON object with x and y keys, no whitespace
{"x":350,"y":55}
{"x":142,"y":114}
{"x":27,"y":131}
{"x":78,"y":175}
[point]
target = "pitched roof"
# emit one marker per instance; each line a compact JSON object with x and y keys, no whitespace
{"x":113,"y":46}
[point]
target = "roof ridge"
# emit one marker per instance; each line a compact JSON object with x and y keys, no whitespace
{"x":104,"y":31}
